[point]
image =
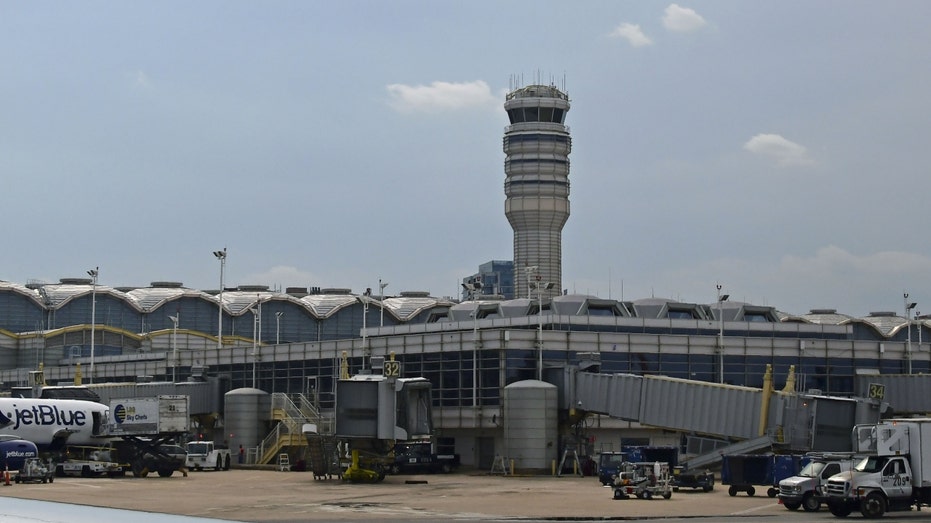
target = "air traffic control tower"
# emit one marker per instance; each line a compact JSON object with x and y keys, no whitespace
{"x":536,"y":168}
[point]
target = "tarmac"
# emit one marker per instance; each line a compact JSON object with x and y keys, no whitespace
{"x":268,"y":496}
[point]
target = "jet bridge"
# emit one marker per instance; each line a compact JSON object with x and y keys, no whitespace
{"x":749,"y":419}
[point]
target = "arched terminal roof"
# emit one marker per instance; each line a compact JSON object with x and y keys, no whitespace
{"x":412,"y":306}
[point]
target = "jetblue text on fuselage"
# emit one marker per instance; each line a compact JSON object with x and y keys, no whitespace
{"x":44,"y":415}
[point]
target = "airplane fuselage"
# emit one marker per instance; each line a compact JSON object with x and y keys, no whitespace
{"x":54,"y":422}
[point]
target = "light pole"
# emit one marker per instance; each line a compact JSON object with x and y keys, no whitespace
{"x":255,"y":333}
{"x":93,"y":274}
{"x":721,"y":299}
{"x":174,"y":348}
{"x":365,"y":313}
{"x":530,"y":270}
{"x":221,"y":255}
{"x":475,"y":345}
{"x":918,"y":321}
{"x":278,"y":316}
{"x":908,"y":313}
{"x":381,"y":297}
{"x":540,"y":287}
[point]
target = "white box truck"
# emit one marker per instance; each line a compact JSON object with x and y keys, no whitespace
{"x":894,"y":474}
{"x":149,"y":416}
{"x":149,"y":429}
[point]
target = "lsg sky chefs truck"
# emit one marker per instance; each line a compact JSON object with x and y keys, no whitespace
{"x":894,"y":474}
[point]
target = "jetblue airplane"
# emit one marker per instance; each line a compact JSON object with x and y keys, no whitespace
{"x":53,"y":423}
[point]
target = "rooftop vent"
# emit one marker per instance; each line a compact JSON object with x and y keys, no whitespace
{"x":166,"y":284}
{"x":415,"y":294}
{"x":335,"y":291}
{"x":823,"y":311}
{"x":296,"y":291}
{"x":76,"y":281}
{"x":882,"y":314}
{"x":253,"y":288}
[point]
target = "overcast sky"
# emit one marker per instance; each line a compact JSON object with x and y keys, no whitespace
{"x":777,"y":148}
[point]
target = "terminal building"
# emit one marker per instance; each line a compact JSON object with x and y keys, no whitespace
{"x":519,"y":330}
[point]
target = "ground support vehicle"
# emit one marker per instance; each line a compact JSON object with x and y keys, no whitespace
{"x":643,"y":480}
{"x":419,"y":457}
{"x":88,"y":462}
{"x":894,"y":474}
{"x":745,"y":471}
{"x":34,"y":471}
{"x":206,"y":455}
{"x":685,"y":478}
{"x":88,"y":469}
{"x":148,"y":426}
{"x":806,"y":490}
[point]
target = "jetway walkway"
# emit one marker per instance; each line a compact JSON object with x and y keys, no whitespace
{"x":748,"y":419}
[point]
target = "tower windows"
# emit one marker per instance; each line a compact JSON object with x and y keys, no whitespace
{"x":536,"y":114}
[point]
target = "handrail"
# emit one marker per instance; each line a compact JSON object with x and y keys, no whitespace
{"x":297,"y":412}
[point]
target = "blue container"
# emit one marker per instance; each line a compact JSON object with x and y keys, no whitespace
{"x":743,"y":471}
{"x":648,"y":454}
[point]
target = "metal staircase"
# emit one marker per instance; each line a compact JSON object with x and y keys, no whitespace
{"x":290,"y":413}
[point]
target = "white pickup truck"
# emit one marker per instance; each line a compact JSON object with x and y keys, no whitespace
{"x":205,"y":455}
{"x":806,"y":489}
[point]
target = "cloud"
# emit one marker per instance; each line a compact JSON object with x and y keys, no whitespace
{"x":440,"y":96}
{"x":831,"y":260}
{"x":632,"y":34}
{"x":785,"y":152}
{"x":682,"y":19}
{"x":142,"y":80}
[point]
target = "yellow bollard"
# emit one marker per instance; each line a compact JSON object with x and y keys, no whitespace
{"x":553,"y":468}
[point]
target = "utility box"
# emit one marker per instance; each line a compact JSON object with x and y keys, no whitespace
{"x":149,"y":416}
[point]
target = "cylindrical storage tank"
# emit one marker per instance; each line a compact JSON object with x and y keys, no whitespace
{"x":530,"y":425}
{"x":245,"y":415}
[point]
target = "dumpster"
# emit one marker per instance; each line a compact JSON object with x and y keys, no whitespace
{"x":744,"y":471}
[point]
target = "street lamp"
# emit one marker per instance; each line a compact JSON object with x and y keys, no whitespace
{"x":255,"y":334}
{"x":278,"y":316}
{"x":531,"y":270}
{"x":540,"y":287}
{"x":918,"y":321}
{"x":381,"y":297}
{"x":721,"y":299}
{"x":365,"y":313}
{"x":221,"y":255}
{"x":908,"y":312}
{"x":174,"y":348}
{"x":93,"y":274}
{"x":475,"y":346}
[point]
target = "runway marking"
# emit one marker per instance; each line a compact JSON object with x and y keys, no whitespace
{"x":754,"y":509}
